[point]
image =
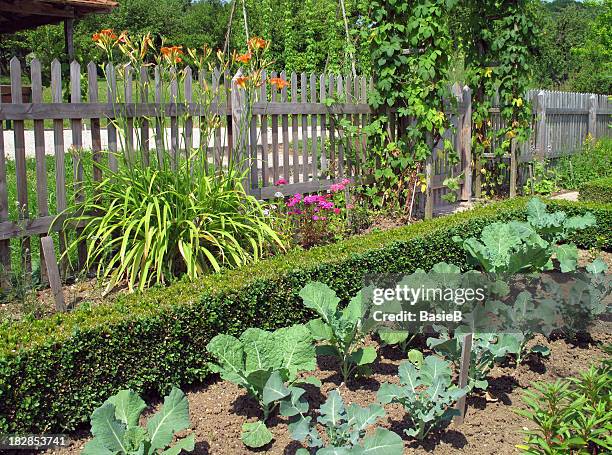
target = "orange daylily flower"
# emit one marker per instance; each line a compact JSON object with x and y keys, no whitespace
{"x":257,"y":43}
{"x":108,"y":32}
{"x":244,"y":58}
{"x":241,"y":81}
{"x":280,"y":83}
{"x":95,"y":37}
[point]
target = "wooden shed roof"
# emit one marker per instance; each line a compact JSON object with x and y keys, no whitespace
{"x":23,"y":14}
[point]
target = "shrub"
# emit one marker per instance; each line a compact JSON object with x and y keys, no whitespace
{"x":592,"y":162}
{"x":55,"y":371}
{"x":599,"y":190}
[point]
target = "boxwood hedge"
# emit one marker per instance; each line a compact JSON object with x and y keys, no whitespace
{"x":599,"y":190}
{"x":55,"y":371}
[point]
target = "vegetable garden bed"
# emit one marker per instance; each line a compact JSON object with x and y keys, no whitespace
{"x":219,"y":408}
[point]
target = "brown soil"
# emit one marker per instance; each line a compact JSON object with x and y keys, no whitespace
{"x":218,"y":408}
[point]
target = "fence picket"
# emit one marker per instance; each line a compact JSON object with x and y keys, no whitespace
{"x":332,"y":133}
{"x":322,"y":117}
{"x":39,"y":151}
{"x":294,"y":130}
{"x":77,"y":147}
{"x":60,"y":158}
{"x":263,"y":97}
{"x":189,"y":120}
{"x":174,"y":132}
{"x":285,"y":132}
{"x":111,"y":129}
{"x":218,"y":152}
{"x":5,"y":245}
{"x":304,"y":100}
{"x":313,"y":129}
{"x":128,"y":88}
{"x":96,"y":140}
{"x":20,"y":163}
{"x":144,"y":129}
{"x":275,"y":170}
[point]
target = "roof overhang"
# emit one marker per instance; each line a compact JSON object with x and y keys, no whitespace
{"x":18,"y":15}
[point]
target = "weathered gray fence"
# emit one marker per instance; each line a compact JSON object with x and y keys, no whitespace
{"x":294,"y":134}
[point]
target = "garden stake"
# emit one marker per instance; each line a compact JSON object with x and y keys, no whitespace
{"x":53,"y":273}
{"x":464,"y":370}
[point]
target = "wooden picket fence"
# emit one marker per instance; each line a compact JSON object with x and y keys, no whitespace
{"x":294,"y":134}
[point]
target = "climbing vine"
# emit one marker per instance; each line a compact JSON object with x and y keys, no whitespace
{"x":499,"y":41}
{"x":411,"y":45}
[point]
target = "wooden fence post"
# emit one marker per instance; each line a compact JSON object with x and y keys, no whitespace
{"x":541,"y":138}
{"x":593,"y":116}
{"x":464,"y":370}
{"x":465,"y":144}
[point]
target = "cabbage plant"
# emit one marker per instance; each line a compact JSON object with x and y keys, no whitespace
{"x":426,"y":392}
{"x":116,"y":430}
{"x":516,"y":246}
{"x":343,"y":330}
{"x":345,"y":430}
{"x":266,"y":365}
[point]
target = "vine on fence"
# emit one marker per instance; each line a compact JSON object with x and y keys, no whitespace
{"x":411,"y":46}
{"x":498,"y":41}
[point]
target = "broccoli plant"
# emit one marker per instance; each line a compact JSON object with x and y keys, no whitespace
{"x":522,"y":319}
{"x":266,"y":365}
{"x":345,"y":430}
{"x":583,"y":299}
{"x":343,"y":330}
{"x":426,"y":392}
{"x":116,"y":430}
{"x":487,"y":349}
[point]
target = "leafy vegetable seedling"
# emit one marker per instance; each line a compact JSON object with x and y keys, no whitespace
{"x":342,"y":329}
{"x":345,"y":430}
{"x":266,"y":365}
{"x":116,"y":430}
{"x":427,"y":394}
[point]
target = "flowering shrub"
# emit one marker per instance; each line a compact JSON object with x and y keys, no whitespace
{"x":317,"y":218}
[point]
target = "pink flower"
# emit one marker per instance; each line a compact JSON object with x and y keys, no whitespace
{"x":295,"y":199}
{"x":346,"y":182}
{"x":350,"y":206}
{"x":337,"y":211}
{"x":336,"y":187}
{"x":312,"y":199}
{"x":326,"y":205}
{"x":281,"y":182}
{"x":315,"y":218}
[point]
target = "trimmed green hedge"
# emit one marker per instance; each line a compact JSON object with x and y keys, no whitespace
{"x":599,"y":190}
{"x":55,"y":371}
